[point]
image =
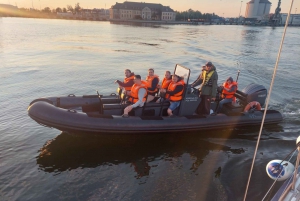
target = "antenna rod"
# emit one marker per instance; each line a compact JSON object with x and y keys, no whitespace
{"x":237,"y":77}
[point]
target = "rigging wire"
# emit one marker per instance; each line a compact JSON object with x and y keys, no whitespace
{"x":274,"y":183}
{"x":294,"y":151}
{"x":269,"y":94}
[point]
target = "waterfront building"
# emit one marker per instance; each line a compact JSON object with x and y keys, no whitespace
{"x":294,"y":19}
{"x":8,"y":10}
{"x":141,"y":10}
{"x":258,"y":9}
{"x":67,"y":15}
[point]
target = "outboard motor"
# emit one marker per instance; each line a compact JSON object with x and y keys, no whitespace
{"x":255,"y":92}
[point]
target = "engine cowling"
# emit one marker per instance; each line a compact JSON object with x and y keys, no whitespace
{"x":255,"y":92}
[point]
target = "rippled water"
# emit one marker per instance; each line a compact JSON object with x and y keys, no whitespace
{"x":40,"y":58}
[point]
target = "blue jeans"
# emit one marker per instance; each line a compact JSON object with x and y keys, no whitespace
{"x":222,"y":102}
{"x":174,"y":105}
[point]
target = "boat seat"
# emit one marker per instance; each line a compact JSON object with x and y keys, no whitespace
{"x":114,"y":106}
{"x":154,"y":104}
{"x":147,"y":105}
{"x":232,"y":109}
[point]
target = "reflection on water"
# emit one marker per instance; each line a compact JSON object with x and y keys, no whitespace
{"x":39,"y":56}
{"x":138,"y":24}
{"x":209,"y":165}
{"x":67,"y":152}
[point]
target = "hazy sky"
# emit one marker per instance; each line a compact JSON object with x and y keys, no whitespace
{"x":230,"y":8}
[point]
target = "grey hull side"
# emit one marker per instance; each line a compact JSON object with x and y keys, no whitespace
{"x":67,"y":120}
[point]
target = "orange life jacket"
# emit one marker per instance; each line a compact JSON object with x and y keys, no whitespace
{"x":134,"y":96}
{"x":172,"y":87}
{"x":149,"y":80}
{"x":165,"y":83}
{"x":126,"y":80}
{"x":227,"y":94}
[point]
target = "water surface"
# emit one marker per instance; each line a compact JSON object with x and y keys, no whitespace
{"x":40,"y":58}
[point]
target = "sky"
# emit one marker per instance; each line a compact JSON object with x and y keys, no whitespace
{"x":223,"y":8}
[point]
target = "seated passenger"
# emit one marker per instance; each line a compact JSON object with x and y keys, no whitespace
{"x":165,"y":83}
{"x":152,"y":81}
{"x":229,"y":89}
{"x":128,"y":80}
{"x":174,"y":93}
{"x":137,"y":95}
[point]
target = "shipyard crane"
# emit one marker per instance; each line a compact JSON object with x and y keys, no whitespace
{"x":276,"y":19}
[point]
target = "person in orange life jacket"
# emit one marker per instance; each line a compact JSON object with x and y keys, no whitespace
{"x":164,"y":85}
{"x":174,"y":93}
{"x":208,"y":81}
{"x":128,"y":80}
{"x":229,"y":89}
{"x":137,"y":95}
{"x":166,"y":81}
{"x":152,"y":81}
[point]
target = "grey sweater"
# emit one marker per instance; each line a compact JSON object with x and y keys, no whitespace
{"x":141,"y":94}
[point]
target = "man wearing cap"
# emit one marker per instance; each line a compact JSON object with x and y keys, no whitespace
{"x":209,"y":83}
{"x":229,"y":89}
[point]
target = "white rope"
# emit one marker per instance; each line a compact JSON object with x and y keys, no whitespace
{"x":269,"y":94}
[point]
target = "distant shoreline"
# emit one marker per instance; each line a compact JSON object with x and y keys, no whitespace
{"x":187,"y":22}
{"x":146,"y":21}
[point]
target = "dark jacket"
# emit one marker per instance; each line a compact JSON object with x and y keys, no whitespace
{"x":128,"y":84}
{"x":209,"y":88}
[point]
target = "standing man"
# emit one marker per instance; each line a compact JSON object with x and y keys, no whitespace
{"x":209,"y":80}
{"x":229,"y":89}
{"x":137,"y":95}
{"x":152,"y":81}
{"x":128,"y":80}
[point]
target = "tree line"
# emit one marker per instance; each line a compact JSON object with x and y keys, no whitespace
{"x":69,"y":8}
{"x":191,"y":14}
{"x":180,"y":15}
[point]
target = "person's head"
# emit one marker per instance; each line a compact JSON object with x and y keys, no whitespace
{"x":150,"y":71}
{"x":137,"y":79}
{"x":175,"y":78}
{"x":127,"y":73}
{"x":229,"y":80}
{"x":209,"y":66}
{"x":167,"y":74}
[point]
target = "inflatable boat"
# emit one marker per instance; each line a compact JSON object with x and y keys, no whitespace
{"x":103,"y":114}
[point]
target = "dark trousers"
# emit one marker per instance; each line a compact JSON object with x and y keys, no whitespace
{"x":204,"y":105}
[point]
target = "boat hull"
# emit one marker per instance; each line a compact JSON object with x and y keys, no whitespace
{"x":73,"y":121}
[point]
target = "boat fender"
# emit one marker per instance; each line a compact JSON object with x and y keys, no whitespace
{"x":279,"y":169}
{"x":252,"y":105}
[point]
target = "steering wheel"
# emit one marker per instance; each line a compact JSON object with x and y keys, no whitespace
{"x":195,"y":90}
{"x":101,"y":104}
